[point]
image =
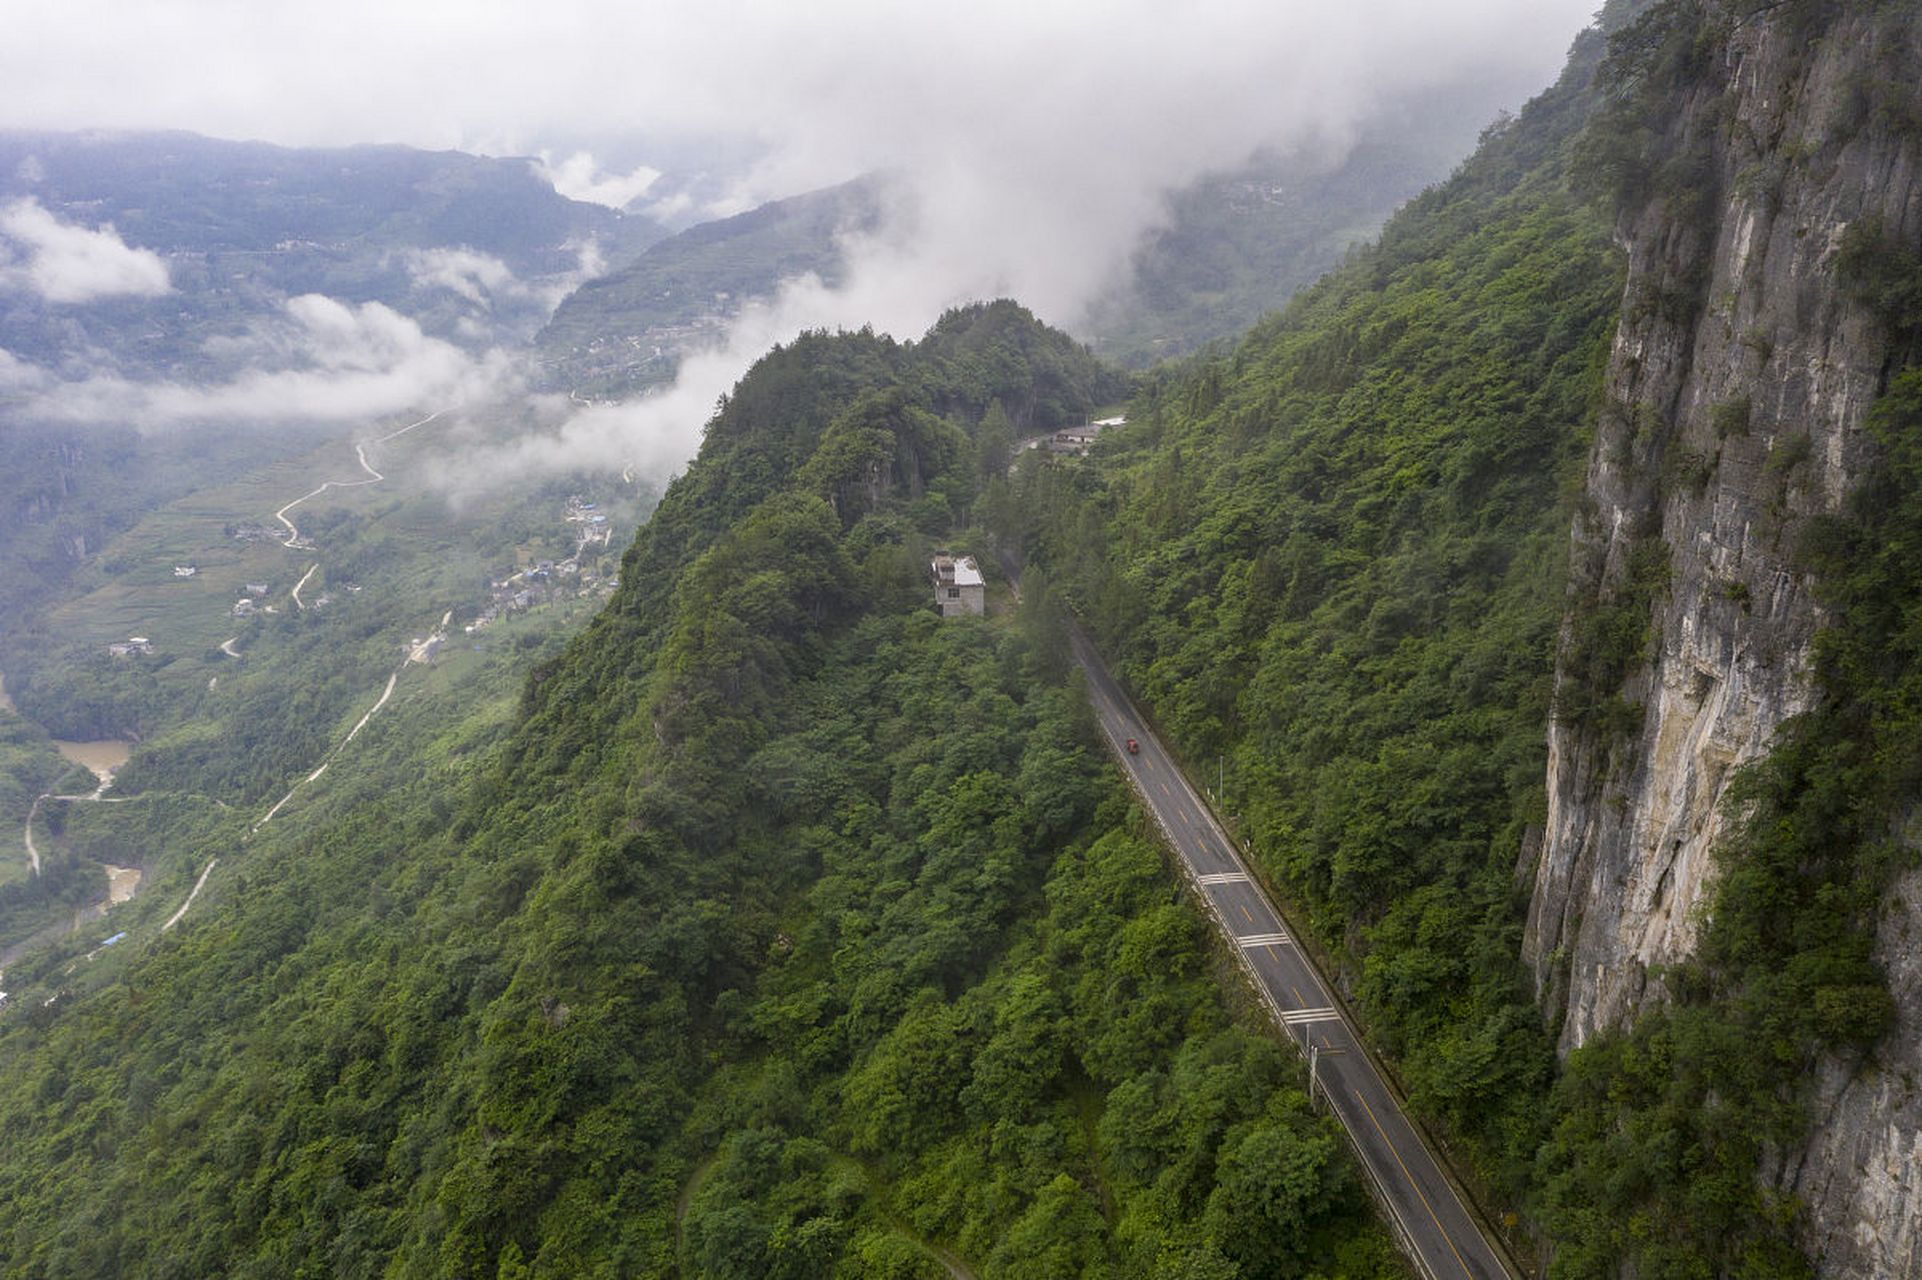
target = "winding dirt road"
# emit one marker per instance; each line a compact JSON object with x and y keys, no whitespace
{"x":199,"y":884}
{"x":311,"y":570}
{"x":97,"y":796}
{"x":293,"y":539}
{"x":352,"y":733}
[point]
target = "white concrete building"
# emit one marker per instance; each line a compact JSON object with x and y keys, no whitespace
{"x":959,"y":588}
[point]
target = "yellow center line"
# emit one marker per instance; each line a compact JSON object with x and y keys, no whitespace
{"x":1296,"y":992}
{"x":1411,"y":1181}
{"x":1245,"y":916}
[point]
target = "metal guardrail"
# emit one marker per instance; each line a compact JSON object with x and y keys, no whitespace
{"x":1376,"y":1191}
{"x":1191,"y":877}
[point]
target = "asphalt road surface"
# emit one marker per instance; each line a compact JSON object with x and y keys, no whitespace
{"x":1434,"y":1226}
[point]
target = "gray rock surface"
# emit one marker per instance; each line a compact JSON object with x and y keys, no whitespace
{"x":1737,"y":391}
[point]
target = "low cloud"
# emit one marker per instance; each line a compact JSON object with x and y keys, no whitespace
{"x":654,"y":435}
{"x":1039,"y":141}
{"x":18,"y":376}
{"x":1032,"y":147}
{"x":65,"y":263}
{"x":468,"y":272}
{"x":483,"y":279}
{"x":321,"y":360}
{"x":579,"y":178}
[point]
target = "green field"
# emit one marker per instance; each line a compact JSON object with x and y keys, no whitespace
{"x":219,"y":738}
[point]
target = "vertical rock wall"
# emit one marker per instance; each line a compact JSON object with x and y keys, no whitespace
{"x":1737,"y":391}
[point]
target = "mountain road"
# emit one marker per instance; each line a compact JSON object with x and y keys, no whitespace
{"x":1429,"y":1216}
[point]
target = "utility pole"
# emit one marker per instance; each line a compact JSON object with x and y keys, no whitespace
{"x":1314,"y":1071}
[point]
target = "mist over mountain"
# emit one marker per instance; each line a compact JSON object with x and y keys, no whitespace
{"x":652,"y":698}
{"x":1034,"y":157}
{"x":473,"y":250}
{"x":628,"y":329}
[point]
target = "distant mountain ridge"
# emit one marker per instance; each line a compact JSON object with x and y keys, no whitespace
{"x":1236,"y":245}
{"x":181,"y":192}
{"x":629,"y":328}
{"x":243,"y":225}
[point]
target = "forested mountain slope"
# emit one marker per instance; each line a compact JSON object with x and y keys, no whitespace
{"x":1333,"y":557}
{"x":789,"y":931}
{"x":1338,"y":560}
{"x":629,"y":328}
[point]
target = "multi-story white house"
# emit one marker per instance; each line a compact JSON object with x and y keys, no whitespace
{"x":959,"y":588}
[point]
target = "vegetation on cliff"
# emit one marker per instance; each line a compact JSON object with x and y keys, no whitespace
{"x":1333,"y":564}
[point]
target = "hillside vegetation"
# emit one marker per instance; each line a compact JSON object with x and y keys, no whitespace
{"x":786,"y":931}
{"x":1333,"y":559}
{"x":1333,"y":563}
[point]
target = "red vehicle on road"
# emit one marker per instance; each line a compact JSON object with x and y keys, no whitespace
{"x":1134,"y":748}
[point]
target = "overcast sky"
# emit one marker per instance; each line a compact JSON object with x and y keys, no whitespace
{"x":828,"y":82}
{"x":1037,"y":139}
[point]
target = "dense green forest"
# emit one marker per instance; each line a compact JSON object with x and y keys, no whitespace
{"x":783,"y":929}
{"x":1333,"y":559}
{"x":774,"y":927}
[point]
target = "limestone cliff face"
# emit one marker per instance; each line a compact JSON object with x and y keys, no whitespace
{"x":1737,"y":391}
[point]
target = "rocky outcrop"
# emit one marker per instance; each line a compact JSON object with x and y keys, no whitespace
{"x":1741,"y":376}
{"x":1860,"y":1173}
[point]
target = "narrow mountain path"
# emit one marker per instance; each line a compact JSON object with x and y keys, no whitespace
{"x":97,"y":796}
{"x":373,"y":477}
{"x":328,"y":759}
{"x":199,"y":884}
{"x":686,"y":1199}
{"x":33,"y":851}
{"x":945,"y":1258}
{"x":312,"y":569}
{"x":385,"y":694}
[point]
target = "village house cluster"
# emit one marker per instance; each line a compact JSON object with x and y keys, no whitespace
{"x":250,"y":601}
{"x":1074,"y":442}
{"x":547,"y":580}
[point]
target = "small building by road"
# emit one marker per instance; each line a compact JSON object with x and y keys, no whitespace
{"x":959,"y":588}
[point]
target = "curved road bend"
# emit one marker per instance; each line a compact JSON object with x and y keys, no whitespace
{"x":1434,"y":1226}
